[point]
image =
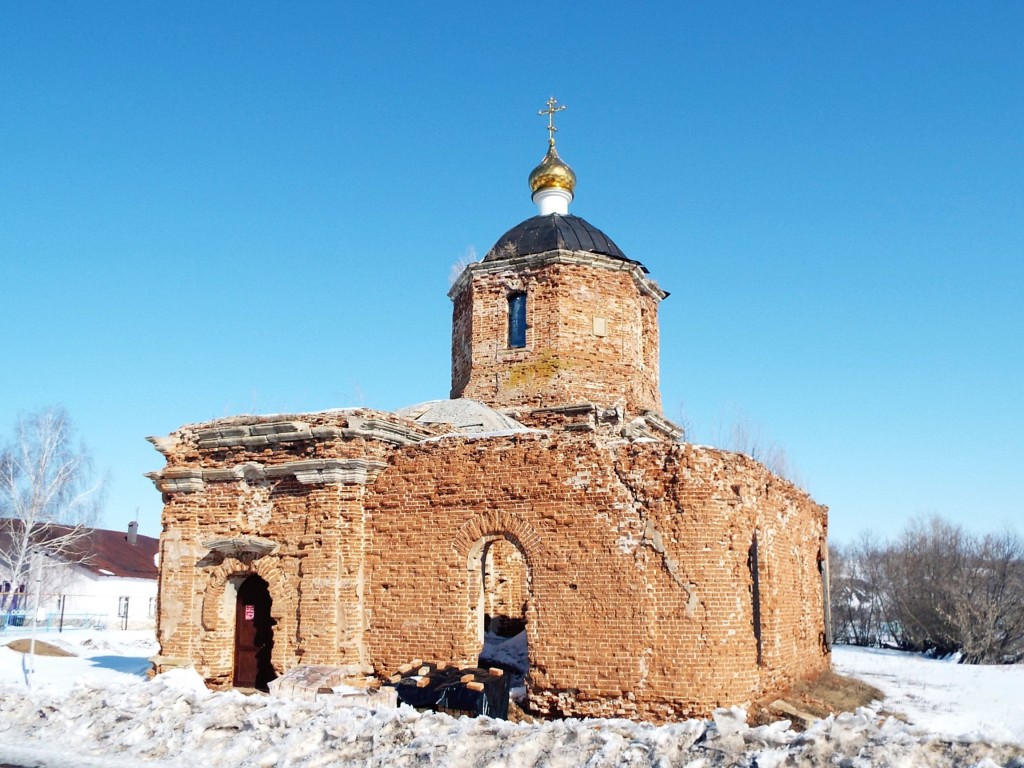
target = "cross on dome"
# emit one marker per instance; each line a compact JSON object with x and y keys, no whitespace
{"x":550,"y":112}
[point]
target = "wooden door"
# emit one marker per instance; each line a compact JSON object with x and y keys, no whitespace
{"x":254,"y":635}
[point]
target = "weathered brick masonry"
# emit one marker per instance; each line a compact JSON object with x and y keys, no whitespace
{"x":656,"y":578}
{"x":639,"y":598}
{"x":638,"y":583}
{"x":592,"y":338}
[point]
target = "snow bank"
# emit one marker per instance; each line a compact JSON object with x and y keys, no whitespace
{"x":85,"y":711}
{"x":103,"y":656}
{"x":173,"y":719}
{"x":962,"y":701}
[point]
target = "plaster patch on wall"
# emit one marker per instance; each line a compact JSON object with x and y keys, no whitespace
{"x":259,"y":515}
{"x":645,"y":668}
{"x":580,"y":480}
{"x":171,"y":610}
{"x":254,"y":506}
{"x":627,"y":543}
{"x":693,"y":602}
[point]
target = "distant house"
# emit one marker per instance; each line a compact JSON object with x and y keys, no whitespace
{"x":109,"y":579}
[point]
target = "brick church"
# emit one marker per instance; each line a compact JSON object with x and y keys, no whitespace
{"x":652,"y":578}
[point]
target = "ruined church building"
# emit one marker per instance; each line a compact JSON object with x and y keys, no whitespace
{"x":654,"y":578}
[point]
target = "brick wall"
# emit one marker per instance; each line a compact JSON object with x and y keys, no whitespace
{"x":633,"y":561}
{"x":640,"y":599}
{"x":315,"y":572}
{"x":591,"y":336}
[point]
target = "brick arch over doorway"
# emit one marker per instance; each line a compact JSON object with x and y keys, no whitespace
{"x":218,"y":613}
{"x":507,"y":524}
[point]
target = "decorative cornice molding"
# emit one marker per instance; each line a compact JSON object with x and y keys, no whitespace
{"x":559,"y":256}
{"x":273,"y":433}
{"x":308,"y":472}
{"x":663,"y":425}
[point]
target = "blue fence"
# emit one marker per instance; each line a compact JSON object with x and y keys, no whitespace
{"x":54,"y":622}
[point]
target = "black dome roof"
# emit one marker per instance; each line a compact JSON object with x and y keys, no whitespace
{"x":553,"y":232}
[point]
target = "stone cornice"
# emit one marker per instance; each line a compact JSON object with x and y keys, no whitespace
{"x":389,"y":432}
{"x":668,"y":428}
{"x":652,"y":425}
{"x":277,"y":432}
{"x":537,"y":260}
{"x":241,"y":547}
{"x":307,"y":472}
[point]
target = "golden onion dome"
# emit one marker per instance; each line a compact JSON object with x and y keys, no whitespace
{"x":552,"y":172}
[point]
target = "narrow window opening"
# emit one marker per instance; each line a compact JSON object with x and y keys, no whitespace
{"x":755,"y":596}
{"x":517,"y":320}
{"x":826,"y":595}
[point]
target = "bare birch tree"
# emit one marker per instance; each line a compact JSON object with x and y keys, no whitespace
{"x":48,"y":498}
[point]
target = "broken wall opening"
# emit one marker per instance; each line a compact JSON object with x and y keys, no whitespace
{"x":505,"y":589}
{"x":499,"y":604}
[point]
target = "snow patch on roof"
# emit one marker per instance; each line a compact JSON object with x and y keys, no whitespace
{"x":484,"y":435}
{"x":466,"y":416}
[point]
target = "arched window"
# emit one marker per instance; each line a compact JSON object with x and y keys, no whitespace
{"x":517,"y":319}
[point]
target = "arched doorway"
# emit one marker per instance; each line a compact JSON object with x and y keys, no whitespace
{"x":504,"y":588}
{"x":504,"y":584}
{"x":254,"y":635}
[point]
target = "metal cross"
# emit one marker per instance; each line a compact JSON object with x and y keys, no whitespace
{"x":550,"y":112}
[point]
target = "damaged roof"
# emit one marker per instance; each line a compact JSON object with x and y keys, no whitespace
{"x":463,"y":414}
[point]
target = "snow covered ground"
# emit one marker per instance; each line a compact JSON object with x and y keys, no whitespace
{"x":97,"y":709}
{"x":958,"y":700}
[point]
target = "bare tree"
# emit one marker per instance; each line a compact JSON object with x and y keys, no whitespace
{"x":989,"y":605}
{"x":920,"y":574}
{"x":856,"y":594}
{"x":47,"y":500}
{"x":746,"y":436}
{"x":936,"y":588}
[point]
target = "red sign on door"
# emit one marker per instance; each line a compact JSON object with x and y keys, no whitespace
{"x":250,"y":612}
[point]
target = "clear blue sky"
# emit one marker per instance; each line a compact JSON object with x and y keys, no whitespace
{"x":211,"y":208}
